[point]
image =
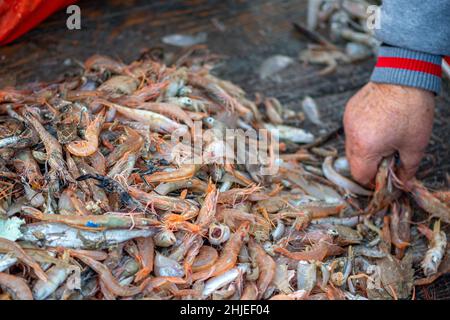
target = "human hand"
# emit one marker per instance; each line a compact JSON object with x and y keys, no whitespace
{"x":382,"y":119}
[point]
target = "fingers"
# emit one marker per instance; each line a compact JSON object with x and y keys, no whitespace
{"x":409,"y":163}
{"x":363,"y":168}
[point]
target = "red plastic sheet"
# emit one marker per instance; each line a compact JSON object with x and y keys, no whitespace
{"x":19,"y":16}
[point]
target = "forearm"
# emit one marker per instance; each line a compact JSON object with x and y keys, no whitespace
{"x":416,"y":35}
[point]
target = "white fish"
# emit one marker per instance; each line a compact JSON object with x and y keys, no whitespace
{"x":341,"y":181}
{"x":273,"y":65}
{"x":166,"y":267}
{"x":293,"y":134}
{"x":313,"y":14}
{"x":222,"y":280}
{"x":342,"y":166}
{"x":56,"y":276}
{"x":185,"y":40}
{"x":311,"y":110}
{"x":60,"y":235}
{"x":306,"y":276}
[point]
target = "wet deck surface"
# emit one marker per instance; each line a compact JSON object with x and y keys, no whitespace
{"x":253,"y":31}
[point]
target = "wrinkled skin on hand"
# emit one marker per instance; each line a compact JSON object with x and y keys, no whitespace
{"x":382,"y":119}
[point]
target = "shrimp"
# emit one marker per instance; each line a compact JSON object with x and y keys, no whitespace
{"x":341,"y":181}
{"x":428,"y":202}
{"x":265,"y":264}
{"x":436,"y":248}
{"x":124,"y":167}
{"x":25,"y":164}
{"x":177,"y":205}
{"x":102,"y":63}
{"x":17,"y":286}
{"x":272,"y":104}
{"x":220,"y":96}
{"x":108,"y":279}
{"x":443,"y":196}
{"x":146,"y":248}
{"x":132,"y":144}
{"x":395,"y":226}
{"x":191,"y":256}
{"x":207,"y":212}
{"x":9,"y":246}
{"x":193,"y":184}
{"x":382,"y":196}
{"x":98,"y":162}
{"x":236,"y":195}
{"x":52,"y":147}
{"x":157,"y":122}
{"x":206,"y":258}
{"x":297,"y":295}
{"x":96,"y":255}
{"x":169,"y":109}
{"x":186,"y":171}
{"x":90,"y":145}
{"x":151,"y":284}
{"x":229,"y":256}
{"x":250,"y":291}
{"x":319,"y":252}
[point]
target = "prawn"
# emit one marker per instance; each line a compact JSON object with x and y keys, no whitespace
{"x":206,"y":258}
{"x":229,"y":256}
{"x":207,"y":212}
{"x":169,"y":109}
{"x":108,"y":279}
{"x":9,"y":246}
{"x":156,"y":121}
{"x":436,"y":248}
{"x":132,"y":144}
{"x":146,"y":247}
{"x":428,"y":202}
{"x":17,"y":286}
{"x":186,"y":171}
{"x":395,"y":226}
{"x":382,"y":196}
{"x":319,"y":252}
{"x":52,"y":148}
{"x":250,"y":291}
{"x":220,"y":96}
{"x":90,"y":145}
{"x":266,"y":265}
{"x":26,"y":165}
{"x":177,"y":205}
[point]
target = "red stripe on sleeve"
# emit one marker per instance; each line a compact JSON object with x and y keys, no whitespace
{"x":410,"y":64}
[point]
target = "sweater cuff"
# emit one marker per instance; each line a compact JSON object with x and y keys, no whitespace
{"x":408,"y":68}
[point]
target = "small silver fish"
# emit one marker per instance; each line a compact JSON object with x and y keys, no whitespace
{"x":185,"y":40}
{"x":273,"y":65}
{"x":311,"y":110}
{"x":293,"y":134}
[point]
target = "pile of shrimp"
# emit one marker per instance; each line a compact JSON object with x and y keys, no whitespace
{"x":94,"y":205}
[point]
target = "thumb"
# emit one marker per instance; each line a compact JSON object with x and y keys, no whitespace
{"x":409,"y":163}
{"x":363,"y":169}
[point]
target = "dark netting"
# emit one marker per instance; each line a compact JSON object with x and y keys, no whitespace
{"x":438,"y":290}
